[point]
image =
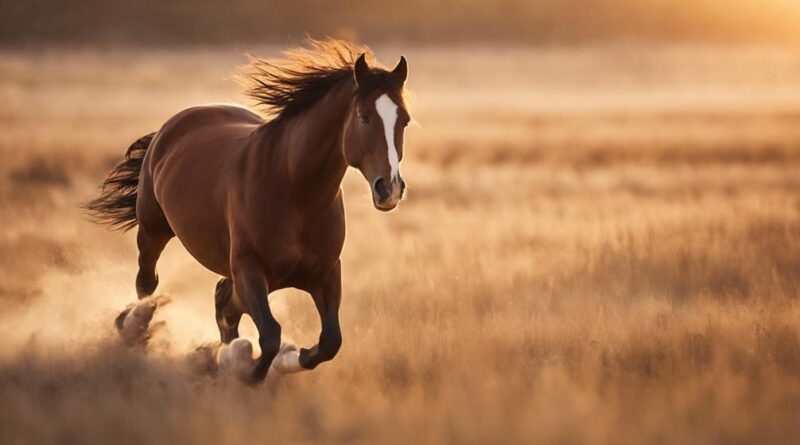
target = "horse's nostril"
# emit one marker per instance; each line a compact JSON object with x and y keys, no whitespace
{"x":381,"y":190}
{"x":402,"y":186}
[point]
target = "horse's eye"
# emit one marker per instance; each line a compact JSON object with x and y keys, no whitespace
{"x":363,"y":118}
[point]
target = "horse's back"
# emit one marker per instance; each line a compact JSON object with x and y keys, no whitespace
{"x":201,"y":126}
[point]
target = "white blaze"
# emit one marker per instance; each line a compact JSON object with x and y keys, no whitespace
{"x":387,"y":110}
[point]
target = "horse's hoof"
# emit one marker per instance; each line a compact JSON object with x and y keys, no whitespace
{"x":288,"y":359}
{"x":236,"y":360}
{"x":133,"y":324}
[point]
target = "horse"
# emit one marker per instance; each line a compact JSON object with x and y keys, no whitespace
{"x":258,"y":200}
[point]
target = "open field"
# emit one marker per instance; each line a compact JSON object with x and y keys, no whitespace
{"x":600,"y":245}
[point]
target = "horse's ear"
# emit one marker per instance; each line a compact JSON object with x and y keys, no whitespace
{"x":361,"y":70}
{"x":400,"y":72}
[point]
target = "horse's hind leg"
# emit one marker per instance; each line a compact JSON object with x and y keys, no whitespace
{"x":151,"y":243}
{"x":228,"y":316}
{"x":153,"y":234}
{"x":133,"y":323}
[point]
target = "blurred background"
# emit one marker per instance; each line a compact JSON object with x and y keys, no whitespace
{"x":152,"y":22}
{"x":601,"y":242}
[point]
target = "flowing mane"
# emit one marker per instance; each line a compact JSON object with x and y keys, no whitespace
{"x":288,"y":86}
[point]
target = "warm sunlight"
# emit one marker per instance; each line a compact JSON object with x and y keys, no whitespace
{"x":592,"y":235}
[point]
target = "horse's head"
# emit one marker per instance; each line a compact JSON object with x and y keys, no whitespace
{"x":373,"y":133}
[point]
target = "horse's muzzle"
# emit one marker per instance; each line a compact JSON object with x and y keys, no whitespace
{"x":387,"y":194}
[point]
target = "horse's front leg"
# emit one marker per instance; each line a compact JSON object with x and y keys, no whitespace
{"x":250,"y":284}
{"x":327,"y":298}
{"x":227,"y":314}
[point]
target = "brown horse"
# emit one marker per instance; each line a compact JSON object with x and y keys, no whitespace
{"x":259,"y":202}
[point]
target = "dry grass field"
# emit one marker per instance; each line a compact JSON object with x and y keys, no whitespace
{"x":600,"y":245}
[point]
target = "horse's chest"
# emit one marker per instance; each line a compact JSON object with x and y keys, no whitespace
{"x":307,"y":257}
{"x":300,"y":268}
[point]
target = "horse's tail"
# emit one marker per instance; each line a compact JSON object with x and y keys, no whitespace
{"x":116,"y":205}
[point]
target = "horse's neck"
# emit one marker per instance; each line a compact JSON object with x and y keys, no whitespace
{"x":311,"y":145}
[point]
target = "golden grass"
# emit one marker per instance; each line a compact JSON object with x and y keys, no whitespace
{"x":611,"y":258}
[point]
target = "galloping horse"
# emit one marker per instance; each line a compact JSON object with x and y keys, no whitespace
{"x":260,"y":202}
